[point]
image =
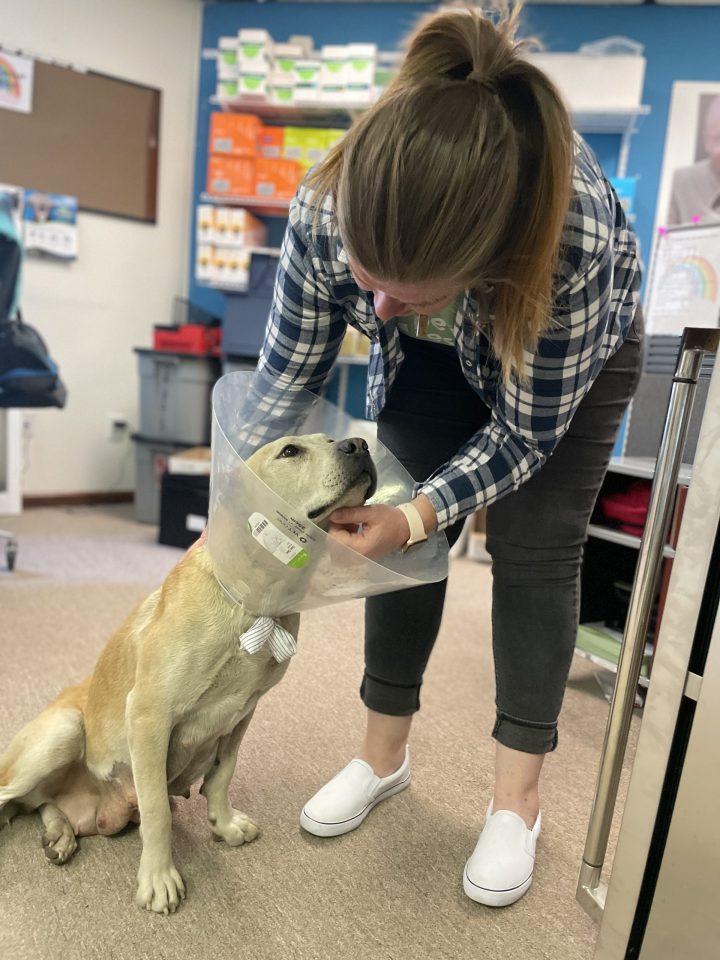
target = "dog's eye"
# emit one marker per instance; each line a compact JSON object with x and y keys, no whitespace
{"x":290,"y":450}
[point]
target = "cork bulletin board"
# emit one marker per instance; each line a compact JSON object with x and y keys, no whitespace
{"x":89,"y":135}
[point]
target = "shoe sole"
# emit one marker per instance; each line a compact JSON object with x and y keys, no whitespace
{"x":320,"y":829}
{"x":495,"y":898}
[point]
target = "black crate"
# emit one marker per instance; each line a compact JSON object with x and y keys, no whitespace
{"x":184,"y":503}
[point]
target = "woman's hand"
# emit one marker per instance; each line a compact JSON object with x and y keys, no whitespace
{"x":377,"y":530}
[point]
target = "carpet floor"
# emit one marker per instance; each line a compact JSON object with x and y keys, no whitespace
{"x":391,"y":890}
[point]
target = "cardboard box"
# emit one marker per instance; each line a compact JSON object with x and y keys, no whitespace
{"x":277,"y":178}
{"x":307,"y":88}
{"x":246,"y":230}
{"x":271,"y":141}
{"x":333,"y":58}
{"x":294,"y":143}
{"x":231,"y":176}
{"x":195,"y":460}
{"x":227,"y":58}
{"x":227,"y":89}
{"x":285,"y":58}
{"x":254,"y":81}
{"x":232,"y":266}
{"x":203,"y":263}
{"x":221,"y":225}
{"x":204,"y":222}
{"x":360,"y":64}
{"x":281,"y":89}
{"x":254,"y":49}
{"x":234,"y":134}
{"x":306,"y":145}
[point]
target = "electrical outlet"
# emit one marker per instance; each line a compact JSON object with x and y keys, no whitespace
{"x":117,"y":427}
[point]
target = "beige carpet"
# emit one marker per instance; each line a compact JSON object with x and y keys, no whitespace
{"x":391,"y":889}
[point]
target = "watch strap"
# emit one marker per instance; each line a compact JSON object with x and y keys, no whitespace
{"x":415,"y":522}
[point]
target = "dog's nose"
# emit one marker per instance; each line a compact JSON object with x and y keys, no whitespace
{"x":352,"y":446}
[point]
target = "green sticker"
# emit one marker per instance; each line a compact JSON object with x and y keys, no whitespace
{"x":300,"y":560}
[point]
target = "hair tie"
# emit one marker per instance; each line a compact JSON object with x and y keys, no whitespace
{"x":482,"y":80}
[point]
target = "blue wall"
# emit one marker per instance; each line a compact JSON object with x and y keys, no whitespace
{"x":681,"y":43}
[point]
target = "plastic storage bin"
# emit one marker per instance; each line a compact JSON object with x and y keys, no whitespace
{"x":246,"y":314}
{"x":175,"y":392}
{"x":151,"y":457}
{"x":184,"y":504}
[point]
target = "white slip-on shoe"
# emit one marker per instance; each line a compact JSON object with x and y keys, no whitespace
{"x":500,"y":869}
{"x":343,"y":803}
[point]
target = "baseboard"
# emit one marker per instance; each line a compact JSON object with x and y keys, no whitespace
{"x":78,"y":499}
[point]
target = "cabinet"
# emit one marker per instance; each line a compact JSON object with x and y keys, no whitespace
{"x":609,"y":567}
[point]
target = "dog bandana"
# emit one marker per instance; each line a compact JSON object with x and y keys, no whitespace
{"x":265,"y":630}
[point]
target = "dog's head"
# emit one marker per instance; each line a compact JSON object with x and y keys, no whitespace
{"x":316,"y":473}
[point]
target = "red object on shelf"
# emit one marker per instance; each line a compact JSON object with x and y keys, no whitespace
{"x":188,"y":338}
{"x":628,"y":507}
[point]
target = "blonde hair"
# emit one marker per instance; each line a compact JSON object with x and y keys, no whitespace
{"x":461,"y":172}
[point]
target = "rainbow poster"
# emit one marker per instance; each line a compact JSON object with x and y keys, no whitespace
{"x":684,"y":285}
{"x":16,"y":82}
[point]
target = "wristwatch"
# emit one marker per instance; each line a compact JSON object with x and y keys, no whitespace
{"x":417,"y":527}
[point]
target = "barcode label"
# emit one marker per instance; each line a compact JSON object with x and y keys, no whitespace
{"x":276,"y":542}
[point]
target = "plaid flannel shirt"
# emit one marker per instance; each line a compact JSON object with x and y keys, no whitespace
{"x":595,"y":296}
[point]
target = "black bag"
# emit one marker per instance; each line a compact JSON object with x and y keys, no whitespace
{"x":28,"y":376}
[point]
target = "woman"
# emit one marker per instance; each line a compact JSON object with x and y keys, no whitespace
{"x":465,"y":229}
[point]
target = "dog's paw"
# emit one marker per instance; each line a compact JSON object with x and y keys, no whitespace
{"x":237,"y":830}
{"x":58,"y":841}
{"x":160,"y":890}
{"x":8,"y":812}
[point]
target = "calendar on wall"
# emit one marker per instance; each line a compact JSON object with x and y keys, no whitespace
{"x":684,"y":281}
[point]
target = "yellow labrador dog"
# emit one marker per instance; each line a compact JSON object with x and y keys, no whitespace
{"x":171,"y":695}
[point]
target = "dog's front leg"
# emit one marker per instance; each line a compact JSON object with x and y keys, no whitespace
{"x":160,"y":886}
{"x":227,"y":824}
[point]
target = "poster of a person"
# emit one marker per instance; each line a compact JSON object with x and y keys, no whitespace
{"x":695,"y":196}
{"x":690,"y":178}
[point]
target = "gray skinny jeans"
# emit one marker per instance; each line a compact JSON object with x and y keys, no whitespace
{"x":535,"y":537}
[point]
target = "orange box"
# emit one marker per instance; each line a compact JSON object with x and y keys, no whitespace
{"x":277,"y":178}
{"x":234,"y":134}
{"x":231,"y":176}
{"x":271,"y":141}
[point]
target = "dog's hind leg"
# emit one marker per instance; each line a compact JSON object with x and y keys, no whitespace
{"x":50,"y":742}
{"x":58,"y":838}
{"x":227,"y":824}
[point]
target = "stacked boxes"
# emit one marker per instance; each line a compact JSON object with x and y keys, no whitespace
{"x":223,"y":236}
{"x":307,"y":146}
{"x":246,"y":159}
{"x":251,"y":66}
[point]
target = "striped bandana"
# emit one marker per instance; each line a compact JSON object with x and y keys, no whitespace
{"x":265,"y":630}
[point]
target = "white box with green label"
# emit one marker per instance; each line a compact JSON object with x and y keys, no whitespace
{"x":227,"y":58}
{"x":254,"y":81}
{"x":285,"y":59}
{"x":360,"y":65}
{"x":307,"y":88}
{"x":281,"y":88}
{"x":254,"y":47}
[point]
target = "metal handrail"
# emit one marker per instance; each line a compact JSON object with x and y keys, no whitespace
{"x":591,"y":890}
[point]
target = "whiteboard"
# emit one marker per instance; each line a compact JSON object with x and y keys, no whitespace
{"x":684,"y":281}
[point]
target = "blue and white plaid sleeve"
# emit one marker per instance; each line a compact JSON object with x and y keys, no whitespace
{"x":303,"y":337}
{"x":530,"y":418}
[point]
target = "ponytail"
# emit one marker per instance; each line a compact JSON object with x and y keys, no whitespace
{"x":461,"y":172}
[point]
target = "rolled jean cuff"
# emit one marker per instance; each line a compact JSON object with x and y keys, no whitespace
{"x":388,"y":698}
{"x":525,"y":735}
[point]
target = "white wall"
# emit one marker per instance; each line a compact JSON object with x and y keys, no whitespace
{"x":94,"y":311}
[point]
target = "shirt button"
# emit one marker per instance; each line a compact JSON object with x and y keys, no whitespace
{"x":468,"y":363}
